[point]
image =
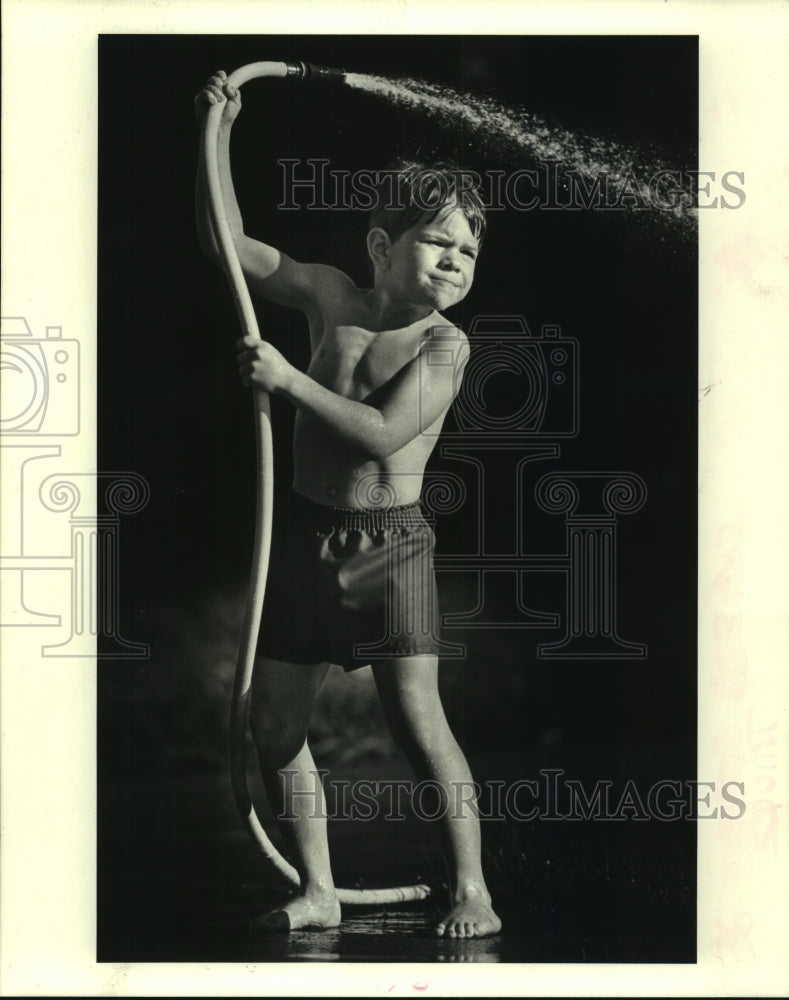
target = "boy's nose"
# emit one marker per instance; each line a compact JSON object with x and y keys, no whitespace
{"x":449,"y":261}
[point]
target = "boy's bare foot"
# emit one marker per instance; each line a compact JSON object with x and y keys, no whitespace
{"x":314,"y":911}
{"x":471,"y":916}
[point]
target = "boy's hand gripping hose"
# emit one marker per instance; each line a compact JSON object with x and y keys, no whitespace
{"x":265,"y":482}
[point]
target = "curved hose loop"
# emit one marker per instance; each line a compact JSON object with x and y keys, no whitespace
{"x":265,"y":494}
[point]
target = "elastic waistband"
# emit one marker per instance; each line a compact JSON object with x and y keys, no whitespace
{"x":409,"y":515}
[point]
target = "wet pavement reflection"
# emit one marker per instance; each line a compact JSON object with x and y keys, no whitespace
{"x":179,"y":881}
{"x":389,"y":935}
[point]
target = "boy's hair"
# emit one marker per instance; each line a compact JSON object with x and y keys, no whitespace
{"x":410,"y":193}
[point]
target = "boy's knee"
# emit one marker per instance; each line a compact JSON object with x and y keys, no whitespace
{"x":276,"y":737}
{"x":413,"y":732}
{"x":418,"y":726}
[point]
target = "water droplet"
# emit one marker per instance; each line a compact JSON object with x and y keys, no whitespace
{"x":516,"y":132}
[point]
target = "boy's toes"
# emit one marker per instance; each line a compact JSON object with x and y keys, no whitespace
{"x":469,"y":920}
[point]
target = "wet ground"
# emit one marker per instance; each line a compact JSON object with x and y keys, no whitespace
{"x":180,"y":881}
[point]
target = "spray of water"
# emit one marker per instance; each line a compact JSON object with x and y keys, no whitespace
{"x":524,"y":138}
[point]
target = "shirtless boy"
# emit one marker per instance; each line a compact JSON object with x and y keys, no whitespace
{"x":369,"y":410}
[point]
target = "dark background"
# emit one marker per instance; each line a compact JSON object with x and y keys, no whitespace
{"x":172,"y":409}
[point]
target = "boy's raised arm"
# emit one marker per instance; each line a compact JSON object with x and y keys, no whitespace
{"x":270,"y":273}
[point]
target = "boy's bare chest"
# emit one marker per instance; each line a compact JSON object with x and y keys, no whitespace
{"x":354,"y":362}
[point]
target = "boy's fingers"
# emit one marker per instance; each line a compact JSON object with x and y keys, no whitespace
{"x":210,"y":96}
{"x":248,"y":358}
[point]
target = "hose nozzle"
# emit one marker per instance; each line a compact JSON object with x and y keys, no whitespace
{"x":309,"y":71}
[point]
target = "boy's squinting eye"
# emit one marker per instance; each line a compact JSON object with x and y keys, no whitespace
{"x":467,"y":252}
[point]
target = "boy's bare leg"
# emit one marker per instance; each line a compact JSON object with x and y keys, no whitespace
{"x":408,"y":688}
{"x":283,"y":695}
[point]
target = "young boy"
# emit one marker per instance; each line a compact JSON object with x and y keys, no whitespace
{"x":354,"y":570}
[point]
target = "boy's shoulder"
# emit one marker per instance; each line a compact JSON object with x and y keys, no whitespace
{"x":328,"y":280}
{"x":441,"y":335}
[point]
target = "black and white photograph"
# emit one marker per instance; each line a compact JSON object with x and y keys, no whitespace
{"x":413,"y":632}
{"x":461,"y":302}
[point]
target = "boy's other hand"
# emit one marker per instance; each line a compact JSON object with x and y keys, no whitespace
{"x":218,"y":91}
{"x":261,"y":366}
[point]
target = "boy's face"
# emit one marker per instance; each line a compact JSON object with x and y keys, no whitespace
{"x":432,"y":263}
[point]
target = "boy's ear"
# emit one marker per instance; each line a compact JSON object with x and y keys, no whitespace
{"x":378,"y":247}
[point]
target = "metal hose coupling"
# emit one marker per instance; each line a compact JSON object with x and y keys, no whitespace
{"x":309,"y":71}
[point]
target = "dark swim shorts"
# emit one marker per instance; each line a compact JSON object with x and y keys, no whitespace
{"x":350,"y":585}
